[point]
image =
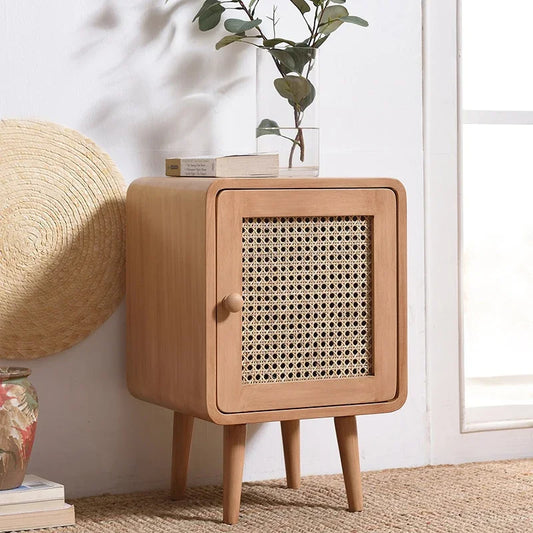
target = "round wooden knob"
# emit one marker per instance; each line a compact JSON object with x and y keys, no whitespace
{"x":233,"y":302}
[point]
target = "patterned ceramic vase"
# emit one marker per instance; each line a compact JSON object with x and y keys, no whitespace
{"x":18,"y":419}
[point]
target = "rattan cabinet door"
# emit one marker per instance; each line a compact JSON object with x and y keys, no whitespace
{"x":317,"y":272}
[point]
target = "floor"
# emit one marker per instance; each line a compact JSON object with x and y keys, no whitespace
{"x":476,"y":497}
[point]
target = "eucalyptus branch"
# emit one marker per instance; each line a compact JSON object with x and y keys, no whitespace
{"x":315,"y":22}
{"x":250,"y":16}
{"x":274,"y":21}
{"x":249,"y":42}
{"x":318,"y":18}
{"x":298,"y":139}
{"x":306,"y":21}
{"x":293,"y":60}
{"x":252,"y":6}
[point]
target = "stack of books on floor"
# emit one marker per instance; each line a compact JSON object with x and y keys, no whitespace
{"x":36,"y":504}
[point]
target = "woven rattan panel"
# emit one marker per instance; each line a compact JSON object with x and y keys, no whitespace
{"x":307,"y":292}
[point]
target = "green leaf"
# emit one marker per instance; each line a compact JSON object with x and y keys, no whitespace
{"x":228,"y":40}
{"x":302,"y":5}
{"x":205,"y":6}
{"x":267,"y":127}
{"x":285,"y":58}
{"x":209,"y":14}
{"x":321,"y":41}
{"x":301,"y":56}
{"x":331,"y":19}
{"x":239,"y":26}
{"x":355,"y":20}
{"x":273,"y":42}
{"x":308,"y":100}
{"x":337,"y":1}
{"x":294,"y":88}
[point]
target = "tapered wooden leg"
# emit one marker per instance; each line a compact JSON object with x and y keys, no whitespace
{"x":234,"y":443}
{"x":181,"y":446}
{"x":346,"y":429}
{"x":290,"y":432}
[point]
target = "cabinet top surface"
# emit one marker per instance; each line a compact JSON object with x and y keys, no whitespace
{"x":214,"y":185}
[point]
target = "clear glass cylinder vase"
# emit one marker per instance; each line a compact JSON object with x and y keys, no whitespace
{"x":287,"y":108}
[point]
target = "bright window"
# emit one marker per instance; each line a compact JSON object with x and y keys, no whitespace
{"x":497,"y":213}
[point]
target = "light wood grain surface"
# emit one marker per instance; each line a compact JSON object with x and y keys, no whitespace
{"x":172,"y":300}
{"x":234,"y":446}
{"x":290,"y":431}
{"x":181,"y":447}
{"x":346,"y":429}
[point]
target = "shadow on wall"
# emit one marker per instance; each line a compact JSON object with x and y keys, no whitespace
{"x":91,"y":434}
{"x":159,"y":89}
{"x":160,"y":92}
{"x":155,"y":93}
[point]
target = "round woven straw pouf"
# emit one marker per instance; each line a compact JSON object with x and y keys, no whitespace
{"x":62,"y":227}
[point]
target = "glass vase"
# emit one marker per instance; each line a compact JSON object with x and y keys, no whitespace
{"x":287,"y":108}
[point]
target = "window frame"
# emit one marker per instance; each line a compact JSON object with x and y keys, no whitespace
{"x":501,"y":416}
{"x":442,"y":138}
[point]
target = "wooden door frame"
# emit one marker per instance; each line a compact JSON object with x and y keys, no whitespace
{"x":232,"y":207}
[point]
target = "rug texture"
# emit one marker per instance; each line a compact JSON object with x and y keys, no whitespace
{"x":479,"y":497}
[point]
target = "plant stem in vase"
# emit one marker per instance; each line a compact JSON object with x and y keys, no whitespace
{"x":290,"y":102}
{"x":289,"y":59}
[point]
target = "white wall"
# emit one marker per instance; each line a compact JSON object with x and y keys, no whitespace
{"x":139,"y":79}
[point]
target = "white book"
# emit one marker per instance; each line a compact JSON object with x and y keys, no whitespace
{"x":33,"y":489}
{"x":230,"y":166}
{"x":28,"y":507}
{"x":38,"y":519}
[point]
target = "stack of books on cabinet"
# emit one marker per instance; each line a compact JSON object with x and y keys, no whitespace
{"x":36,"y":504}
{"x":228,"y":166}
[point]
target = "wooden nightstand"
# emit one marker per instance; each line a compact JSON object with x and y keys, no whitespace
{"x":252,"y":300}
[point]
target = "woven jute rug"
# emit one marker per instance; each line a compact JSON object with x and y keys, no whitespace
{"x":482,"y":497}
